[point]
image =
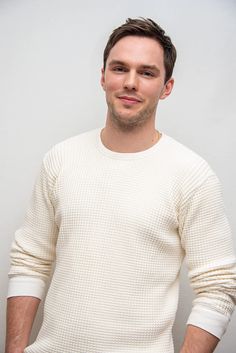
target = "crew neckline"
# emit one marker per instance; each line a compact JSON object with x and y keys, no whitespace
{"x":127,"y":155}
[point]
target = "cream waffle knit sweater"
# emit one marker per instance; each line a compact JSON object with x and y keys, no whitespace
{"x":118,"y":226}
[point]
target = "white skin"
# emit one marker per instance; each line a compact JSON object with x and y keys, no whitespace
{"x":134,"y":82}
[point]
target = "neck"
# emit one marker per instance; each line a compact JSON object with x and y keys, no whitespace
{"x":135,"y":140}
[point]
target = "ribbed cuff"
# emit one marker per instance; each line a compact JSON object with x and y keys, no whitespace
{"x":26,"y":286}
{"x":209,"y":320}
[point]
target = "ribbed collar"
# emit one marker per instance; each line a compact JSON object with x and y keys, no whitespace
{"x":127,"y":155}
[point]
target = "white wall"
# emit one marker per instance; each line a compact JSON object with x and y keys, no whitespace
{"x":50,"y":59}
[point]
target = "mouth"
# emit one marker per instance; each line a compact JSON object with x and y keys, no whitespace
{"x":129,"y":99}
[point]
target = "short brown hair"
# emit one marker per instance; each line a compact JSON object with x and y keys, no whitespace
{"x":144,"y":27}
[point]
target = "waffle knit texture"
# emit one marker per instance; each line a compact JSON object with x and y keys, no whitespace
{"x":117,"y":226}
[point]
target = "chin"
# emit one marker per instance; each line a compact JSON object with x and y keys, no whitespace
{"x":127,"y":123}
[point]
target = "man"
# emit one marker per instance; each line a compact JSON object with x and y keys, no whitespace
{"x":117,"y":209}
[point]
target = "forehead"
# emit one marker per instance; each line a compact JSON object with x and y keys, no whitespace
{"x":143,"y":50}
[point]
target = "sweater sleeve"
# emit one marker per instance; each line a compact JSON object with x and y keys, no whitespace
{"x":33,"y":249}
{"x":206,"y":238}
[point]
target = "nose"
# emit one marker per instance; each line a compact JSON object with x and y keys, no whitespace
{"x":131,"y":81}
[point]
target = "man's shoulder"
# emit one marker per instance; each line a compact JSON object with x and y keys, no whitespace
{"x":181,"y":153}
{"x":75,"y":141}
{"x":186,"y":162}
{"x":82,"y":140}
{"x":77,"y":145}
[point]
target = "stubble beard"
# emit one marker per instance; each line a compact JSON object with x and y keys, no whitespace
{"x":135,"y":121}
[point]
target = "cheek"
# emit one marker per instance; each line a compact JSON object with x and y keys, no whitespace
{"x":154,"y":92}
{"x":113,"y":85}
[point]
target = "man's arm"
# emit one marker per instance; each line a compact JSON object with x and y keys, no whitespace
{"x":21,"y":312}
{"x":32,"y":255}
{"x":206,"y":238}
{"x":198,"y":340}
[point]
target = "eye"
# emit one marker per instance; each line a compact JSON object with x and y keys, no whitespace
{"x":147,"y":73}
{"x":119,"y":69}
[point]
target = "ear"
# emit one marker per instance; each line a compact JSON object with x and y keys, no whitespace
{"x":167,"y":89}
{"x":103,"y":78}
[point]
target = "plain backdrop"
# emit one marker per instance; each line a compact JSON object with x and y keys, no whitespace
{"x":50,"y":61}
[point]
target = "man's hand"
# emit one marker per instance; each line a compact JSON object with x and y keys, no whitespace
{"x":21,"y":312}
{"x":198,"y":340}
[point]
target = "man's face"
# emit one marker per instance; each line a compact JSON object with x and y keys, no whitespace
{"x":134,"y":81}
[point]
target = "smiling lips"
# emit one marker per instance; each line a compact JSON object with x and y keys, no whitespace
{"x":129,"y":99}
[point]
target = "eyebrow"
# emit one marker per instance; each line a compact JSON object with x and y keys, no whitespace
{"x":116,"y":62}
{"x":150,"y":67}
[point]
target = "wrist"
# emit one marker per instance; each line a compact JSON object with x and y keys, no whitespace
{"x":14,"y":350}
